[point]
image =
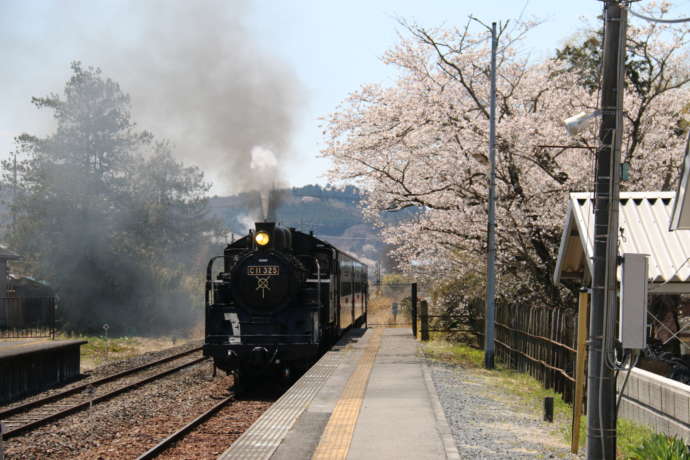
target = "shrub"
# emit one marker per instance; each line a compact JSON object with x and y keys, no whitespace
{"x":661,"y":447}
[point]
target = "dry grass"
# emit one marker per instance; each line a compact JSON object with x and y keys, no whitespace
{"x":380,"y":313}
{"x":99,"y":351}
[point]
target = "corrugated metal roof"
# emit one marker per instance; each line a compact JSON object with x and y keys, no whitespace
{"x":643,"y":229}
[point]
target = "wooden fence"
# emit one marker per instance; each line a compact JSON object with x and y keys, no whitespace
{"x":541,"y":341}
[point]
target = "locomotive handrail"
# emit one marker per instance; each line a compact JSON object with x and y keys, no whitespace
{"x":209,"y":278}
{"x":318,"y":275}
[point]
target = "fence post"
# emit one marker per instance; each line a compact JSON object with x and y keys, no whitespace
{"x":413,"y":309}
{"x":579,"y":369}
{"x":2,"y":443}
{"x":51,"y":306}
{"x":548,"y":409}
{"x":424,"y":305}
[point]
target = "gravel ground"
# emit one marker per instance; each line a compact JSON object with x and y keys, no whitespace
{"x":130,"y":424}
{"x":487,"y":423}
{"x":111,"y":368}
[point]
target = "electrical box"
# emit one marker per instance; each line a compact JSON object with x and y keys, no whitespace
{"x":633,"y":309}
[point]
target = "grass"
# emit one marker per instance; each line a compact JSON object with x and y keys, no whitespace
{"x":529,"y":391}
{"x":379,"y":311}
{"x":99,"y":351}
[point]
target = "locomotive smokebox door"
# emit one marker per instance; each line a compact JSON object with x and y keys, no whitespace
{"x":264,"y":282}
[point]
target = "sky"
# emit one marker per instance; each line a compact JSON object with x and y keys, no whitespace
{"x":218,"y":78}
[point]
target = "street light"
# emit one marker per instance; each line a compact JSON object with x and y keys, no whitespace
{"x":575,"y":124}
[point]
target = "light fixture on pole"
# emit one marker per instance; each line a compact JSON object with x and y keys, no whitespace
{"x":575,"y":124}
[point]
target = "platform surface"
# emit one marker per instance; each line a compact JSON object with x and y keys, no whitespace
{"x":376,"y":401}
{"x":22,"y":347}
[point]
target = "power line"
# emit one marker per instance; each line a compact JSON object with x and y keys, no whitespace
{"x":664,"y":21}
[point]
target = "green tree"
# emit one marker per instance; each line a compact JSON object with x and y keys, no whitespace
{"x":105,"y":214}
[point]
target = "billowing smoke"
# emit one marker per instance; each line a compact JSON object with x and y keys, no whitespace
{"x":196,"y":76}
{"x":264,"y":166}
{"x":195,"y":70}
{"x":200,"y":79}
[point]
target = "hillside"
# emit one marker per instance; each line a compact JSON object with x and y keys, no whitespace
{"x":332,"y":214}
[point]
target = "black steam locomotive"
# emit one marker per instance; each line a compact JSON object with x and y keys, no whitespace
{"x":281,"y":298}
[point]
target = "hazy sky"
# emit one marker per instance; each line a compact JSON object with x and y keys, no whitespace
{"x":216,"y":77}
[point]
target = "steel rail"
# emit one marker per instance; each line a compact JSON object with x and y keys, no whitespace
{"x":54,"y":397}
{"x":104,"y":397}
{"x":179,"y":434}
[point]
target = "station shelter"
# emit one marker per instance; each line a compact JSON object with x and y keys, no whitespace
{"x":644,"y":228}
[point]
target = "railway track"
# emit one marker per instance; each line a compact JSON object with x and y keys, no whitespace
{"x":217,"y":427}
{"x":29,"y":416}
{"x":179,"y":434}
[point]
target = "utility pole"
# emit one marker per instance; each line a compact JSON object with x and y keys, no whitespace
{"x":14,"y":193}
{"x":601,"y":385}
{"x":491,"y":244}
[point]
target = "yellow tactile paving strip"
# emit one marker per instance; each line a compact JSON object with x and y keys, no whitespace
{"x":337,"y":436}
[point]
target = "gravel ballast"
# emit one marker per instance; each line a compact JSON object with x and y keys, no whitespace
{"x":487,"y":422}
{"x":130,"y":424}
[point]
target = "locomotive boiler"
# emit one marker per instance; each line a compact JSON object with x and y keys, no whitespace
{"x":280,"y":298}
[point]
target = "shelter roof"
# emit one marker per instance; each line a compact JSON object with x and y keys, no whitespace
{"x":643,"y":229}
{"x":6,"y":254}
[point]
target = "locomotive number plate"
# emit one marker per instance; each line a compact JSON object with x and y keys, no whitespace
{"x":263,"y":270}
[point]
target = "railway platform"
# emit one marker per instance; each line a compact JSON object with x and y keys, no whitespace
{"x":370,"y":397}
{"x":31,"y":366}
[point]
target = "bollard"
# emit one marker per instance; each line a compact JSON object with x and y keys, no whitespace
{"x":105,"y":329}
{"x":2,"y":443}
{"x":90,"y":390}
{"x":413,"y":309}
{"x":424,"y":316}
{"x":548,"y":409}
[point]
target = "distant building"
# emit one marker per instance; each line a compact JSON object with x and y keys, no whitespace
{"x":5,"y":256}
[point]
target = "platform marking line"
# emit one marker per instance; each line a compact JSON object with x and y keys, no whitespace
{"x":337,"y":436}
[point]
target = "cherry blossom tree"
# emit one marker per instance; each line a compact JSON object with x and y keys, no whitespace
{"x":422,"y":143}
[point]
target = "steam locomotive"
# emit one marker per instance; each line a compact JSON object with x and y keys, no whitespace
{"x":280,"y":299}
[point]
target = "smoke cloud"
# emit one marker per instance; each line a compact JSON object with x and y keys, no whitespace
{"x":195,"y":72}
{"x":264,"y":166}
{"x":197,"y":77}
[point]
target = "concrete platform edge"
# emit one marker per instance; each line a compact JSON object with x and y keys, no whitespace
{"x":441,"y":422}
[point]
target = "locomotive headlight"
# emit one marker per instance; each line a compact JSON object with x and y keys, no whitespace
{"x":262,"y":238}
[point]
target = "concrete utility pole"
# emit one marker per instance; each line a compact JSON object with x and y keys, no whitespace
{"x":491,"y":244}
{"x":601,"y":385}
